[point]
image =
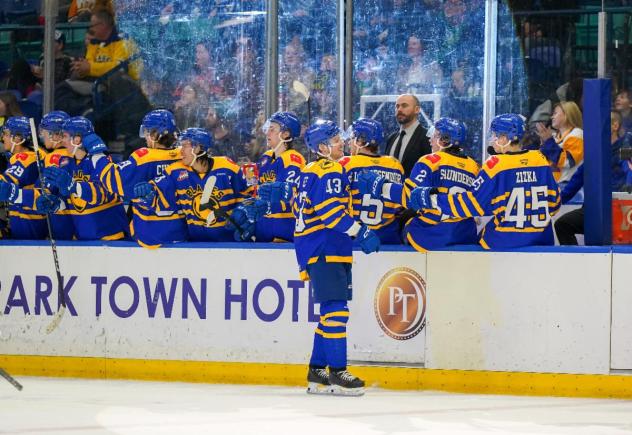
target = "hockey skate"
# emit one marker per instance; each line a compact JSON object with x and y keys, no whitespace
{"x":317,"y":381}
{"x":344,"y":383}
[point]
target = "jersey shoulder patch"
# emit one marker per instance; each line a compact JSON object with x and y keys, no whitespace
{"x":53,"y":159}
{"x":141,"y":152}
{"x":297,"y":158}
{"x":491,"y":162}
{"x":432,"y":158}
{"x":343,"y":161}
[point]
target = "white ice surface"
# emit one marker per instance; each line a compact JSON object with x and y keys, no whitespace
{"x":71,"y":407}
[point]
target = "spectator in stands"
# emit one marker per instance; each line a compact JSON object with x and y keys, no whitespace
{"x":419,"y":74}
{"x":565,"y":149}
{"x":623,"y":105}
{"x":81,"y":10}
{"x":107,"y":48}
{"x":572,"y":223}
{"x":293,"y":66}
{"x":189,"y":110}
{"x":63,"y":62}
{"x":22,"y":79}
{"x":206,"y":76}
{"x":8,"y":106}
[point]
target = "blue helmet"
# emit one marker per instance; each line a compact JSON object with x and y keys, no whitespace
{"x":369,"y":130}
{"x":320,"y":132}
{"x":78,"y":126}
{"x":288,"y":121}
{"x":510,"y":125}
{"x":198,"y":136}
{"x":54,"y":121}
{"x":160,"y":120}
{"x":18,"y":125}
{"x":455,"y":131}
{"x":93,"y":144}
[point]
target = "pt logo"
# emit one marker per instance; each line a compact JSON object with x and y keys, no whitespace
{"x":626,"y":222}
{"x":400,"y":303}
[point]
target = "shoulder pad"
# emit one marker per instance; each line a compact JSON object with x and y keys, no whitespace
{"x":329,"y":166}
{"x":222,"y":162}
{"x":175,"y":166}
{"x":343,"y":161}
{"x":491,"y":162}
{"x":141,"y":152}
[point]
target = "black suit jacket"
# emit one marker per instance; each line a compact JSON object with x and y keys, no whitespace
{"x":419,"y":145}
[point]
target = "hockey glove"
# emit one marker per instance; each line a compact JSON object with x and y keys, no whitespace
{"x":239,"y":217}
{"x":420,"y":197}
{"x":247,"y":232}
{"x":8,"y":191}
{"x":47,"y":203}
{"x":62,"y":180}
{"x":144,"y":192}
{"x":275,"y":192}
{"x":369,"y":241}
{"x":371,"y":183}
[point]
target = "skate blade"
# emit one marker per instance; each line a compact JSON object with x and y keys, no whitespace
{"x":337,"y":390}
{"x":316,"y":388}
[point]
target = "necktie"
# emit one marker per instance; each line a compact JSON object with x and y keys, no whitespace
{"x":398,"y":147}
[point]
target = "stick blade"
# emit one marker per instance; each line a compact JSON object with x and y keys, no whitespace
{"x":56,"y":320}
{"x":301,"y":89}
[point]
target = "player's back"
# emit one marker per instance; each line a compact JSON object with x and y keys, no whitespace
{"x":519,"y":190}
{"x":320,"y":208}
{"x":378,"y":215}
{"x":449,"y":172}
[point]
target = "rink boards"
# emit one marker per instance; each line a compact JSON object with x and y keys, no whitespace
{"x":239,"y":313}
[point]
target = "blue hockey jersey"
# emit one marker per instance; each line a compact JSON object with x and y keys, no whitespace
{"x":278,"y":225}
{"x":96,"y":213}
{"x":519,"y":192}
{"x":24,"y":221}
{"x":322,"y":209}
{"x":148,"y":228}
{"x":61,"y":221}
{"x":181,"y":188}
{"x":378,"y":215}
{"x":431,"y":229}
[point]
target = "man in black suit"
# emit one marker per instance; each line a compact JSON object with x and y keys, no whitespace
{"x":409,"y":143}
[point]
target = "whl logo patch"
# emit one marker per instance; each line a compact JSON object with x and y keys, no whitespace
{"x":400,"y":303}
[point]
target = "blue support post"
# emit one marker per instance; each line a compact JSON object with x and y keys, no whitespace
{"x":597,"y":162}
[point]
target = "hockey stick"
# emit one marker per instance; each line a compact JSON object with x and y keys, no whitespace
{"x":60,"y":288}
{"x":11,"y":380}
{"x":205,"y":203}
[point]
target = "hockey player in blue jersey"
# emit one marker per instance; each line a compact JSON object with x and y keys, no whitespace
{"x":323,"y":239}
{"x":516,"y":187}
{"x":21,"y":176}
{"x":74,"y":182}
{"x":148,"y":228}
{"x":449,"y":170}
{"x":203,"y":187}
{"x":366,"y":141}
{"x":280,"y":164}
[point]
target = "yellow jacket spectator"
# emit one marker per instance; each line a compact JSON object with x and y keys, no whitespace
{"x":105,"y":49}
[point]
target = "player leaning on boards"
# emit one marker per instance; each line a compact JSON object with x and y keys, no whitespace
{"x":51,"y":133}
{"x":203,"y":187}
{"x":279,"y":165}
{"x":148,"y":228}
{"x":450,"y":171}
{"x":323,"y":244}
{"x":73,"y":181}
{"x":516,"y":187}
{"x":21,"y":175}
{"x":366,"y":142}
